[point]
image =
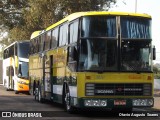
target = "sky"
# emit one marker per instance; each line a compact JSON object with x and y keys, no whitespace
{"x":151,"y":7}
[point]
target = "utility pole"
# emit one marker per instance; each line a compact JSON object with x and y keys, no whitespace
{"x":135,"y":6}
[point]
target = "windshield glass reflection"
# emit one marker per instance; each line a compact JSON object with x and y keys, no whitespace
{"x":136,"y":56}
{"x":23,"y":69}
{"x":98,"y":55}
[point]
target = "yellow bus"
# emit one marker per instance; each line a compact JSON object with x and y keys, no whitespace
{"x":15,"y":67}
{"x":94,"y":60}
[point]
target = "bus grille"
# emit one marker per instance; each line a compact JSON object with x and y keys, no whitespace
{"x":118,"y":89}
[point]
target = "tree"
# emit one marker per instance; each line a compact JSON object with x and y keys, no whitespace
{"x":155,"y":69}
{"x":11,"y":17}
{"x":11,"y":12}
{"x":22,"y":17}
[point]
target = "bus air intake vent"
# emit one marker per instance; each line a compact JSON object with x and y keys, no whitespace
{"x":118,"y":89}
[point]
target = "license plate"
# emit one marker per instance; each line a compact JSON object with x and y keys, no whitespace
{"x":119,"y":102}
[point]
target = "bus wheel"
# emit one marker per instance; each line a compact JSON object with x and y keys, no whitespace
{"x":36,"y":94}
{"x":7,"y":89}
{"x":16,"y":92}
{"x":39,"y":95}
{"x":28,"y":93}
{"x":68,"y":106}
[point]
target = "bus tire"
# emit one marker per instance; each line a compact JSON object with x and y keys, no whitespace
{"x":36,"y":94}
{"x":7,"y":89}
{"x":28,"y":93}
{"x":67,"y":101}
{"x":40,"y":99}
{"x":16,"y":92}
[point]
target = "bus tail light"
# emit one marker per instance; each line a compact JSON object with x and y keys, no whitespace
{"x":88,"y":77}
{"x":149,"y":78}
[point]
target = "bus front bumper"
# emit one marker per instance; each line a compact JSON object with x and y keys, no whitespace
{"x":115,"y":103}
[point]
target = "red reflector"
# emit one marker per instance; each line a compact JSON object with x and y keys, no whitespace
{"x":119,"y":102}
{"x":88,"y":77}
{"x":149,"y":78}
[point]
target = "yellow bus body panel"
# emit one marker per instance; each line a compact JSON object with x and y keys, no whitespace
{"x":83,"y":78}
{"x":24,"y":86}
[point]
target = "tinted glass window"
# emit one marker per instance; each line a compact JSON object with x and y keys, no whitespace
{"x":99,"y":26}
{"x":31,"y":47}
{"x":54,"y":38}
{"x":136,"y":55}
{"x":135,"y":28}
{"x":42,"y":42}
{"x":47,"y":40}
{"x":23,"y":49}
{"x":73,"y":31}
{"x":63,"y":38}
{"x":98,"y":55}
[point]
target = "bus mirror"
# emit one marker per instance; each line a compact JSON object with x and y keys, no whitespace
{"x":19,"y":75}
{"x":19,"y":71}
{"x":154,"y":53}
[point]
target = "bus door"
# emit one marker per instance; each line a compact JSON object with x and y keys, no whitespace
{"x":47,"y":76}
{"x":51,"y":74}
{"x":10,"y":77}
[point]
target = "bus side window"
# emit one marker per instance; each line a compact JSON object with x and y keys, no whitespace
{"x":5,"y":54}
{"x":11,"y":51}
{"x":72,"y":58}
{"x":41,"y":47}
{"x":39,"y":43}
{"x":73,"y":32}
{"x":47,"y":40}
{"x":11,"y":71}
{"x":54,"y":39}
{"x":63,"y":35}
{"x":35,"y":46}
{"x":31,"y":48}
{"x":16,"y":49}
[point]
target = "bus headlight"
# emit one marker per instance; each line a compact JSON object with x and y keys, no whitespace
{"x":142,"y":102}
{"x":22,"y":82}
{"x":95,"y":103}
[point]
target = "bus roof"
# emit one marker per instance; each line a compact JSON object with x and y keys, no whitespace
{"x":79,"y":14}
{"x":15,"y":43}
{"x":35,"y":34}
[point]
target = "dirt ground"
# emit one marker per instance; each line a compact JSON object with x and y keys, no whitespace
{"x":157,"y":99}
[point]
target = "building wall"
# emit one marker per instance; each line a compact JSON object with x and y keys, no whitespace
{"x":1,"y":72}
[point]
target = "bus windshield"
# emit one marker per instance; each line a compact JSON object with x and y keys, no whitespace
{"x":136,"y":56}
{"x":136,"y":44}
{"x":98,"y":26}
{"x":98,"y":55}
{"x":102,"y":50}
{"x":23,"y":69}
{"x":133,"y":27}
{"x":97,"y":51}
{"x":23,"y":49}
